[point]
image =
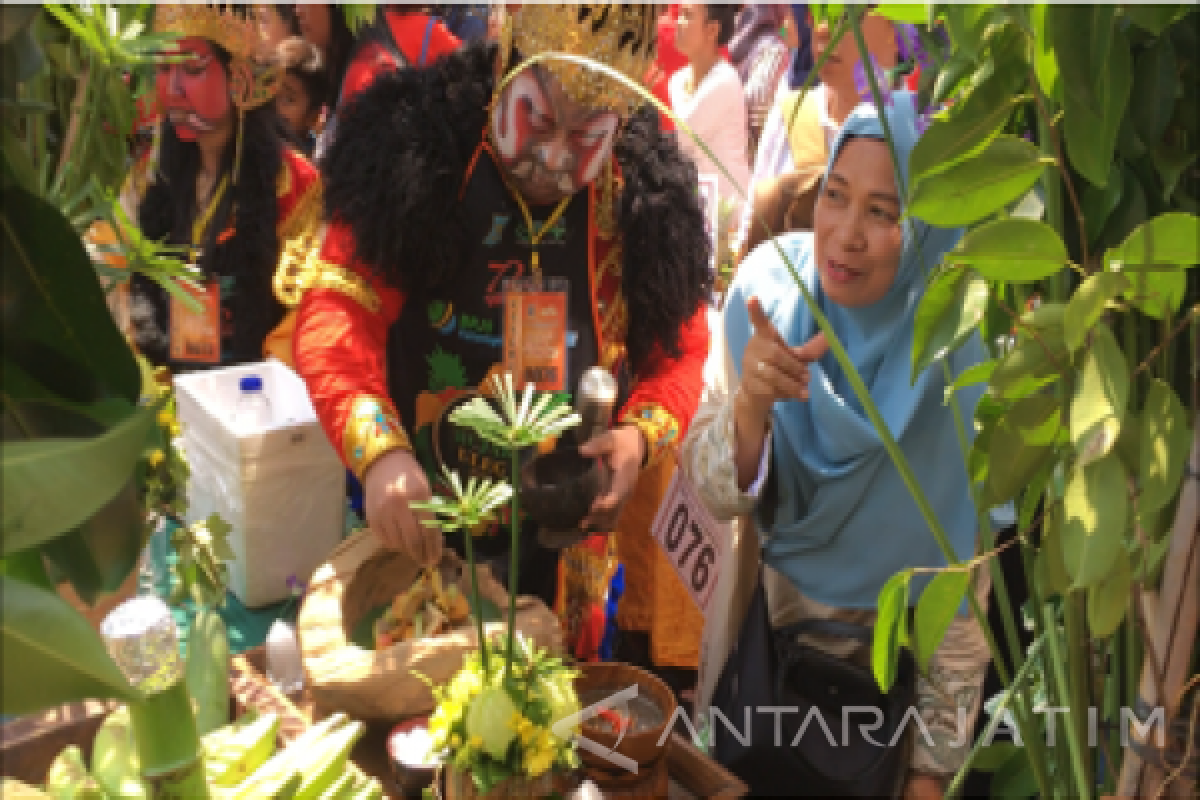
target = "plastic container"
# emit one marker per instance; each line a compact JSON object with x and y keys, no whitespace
{"x":253,"y":410}
{"x":281,"y":486}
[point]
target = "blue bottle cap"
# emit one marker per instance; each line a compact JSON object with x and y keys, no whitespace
{"x":251,"y":383}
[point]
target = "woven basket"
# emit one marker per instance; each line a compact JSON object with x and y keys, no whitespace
{"x":383,"y":684}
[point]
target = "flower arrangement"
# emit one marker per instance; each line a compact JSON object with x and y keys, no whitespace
{"x":499,"y":717}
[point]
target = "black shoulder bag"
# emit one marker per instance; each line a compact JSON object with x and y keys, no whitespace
{"x":787,"y":729}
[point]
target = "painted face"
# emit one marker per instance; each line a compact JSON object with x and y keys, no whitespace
{"x":549,"y":145}
{"x":859,"y":238}
{"x":194,"y":92}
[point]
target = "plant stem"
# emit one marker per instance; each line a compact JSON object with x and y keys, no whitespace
{"x":483,"y":651}
{"x":1061,"y":158}
{"x":989,"y":731}
{"x":513,"y":564}
{"x":1058,"y":678}
{"x":1079,"y":659}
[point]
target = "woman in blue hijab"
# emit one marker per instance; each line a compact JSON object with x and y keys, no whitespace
{"x":793,"y":448}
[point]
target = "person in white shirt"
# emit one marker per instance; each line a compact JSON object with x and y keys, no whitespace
{"x":782,"y":150}
{"x":707,"y":95}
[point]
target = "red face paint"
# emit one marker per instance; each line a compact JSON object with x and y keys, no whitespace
{"x":549,"y":145}
{"x":194,"y":93}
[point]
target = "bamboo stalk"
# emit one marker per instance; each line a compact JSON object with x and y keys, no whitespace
{"x":1056,"y":674}
{"x":1172,"y":625}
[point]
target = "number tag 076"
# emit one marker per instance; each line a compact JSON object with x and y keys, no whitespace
{"x":687,"y":533}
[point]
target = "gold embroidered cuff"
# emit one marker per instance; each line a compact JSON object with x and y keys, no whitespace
{"x":660,"y":428}
{"x":373,"y":429}
{"x":297,"y":275}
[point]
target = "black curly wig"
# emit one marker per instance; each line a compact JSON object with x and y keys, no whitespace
{"x":394,"y":172}
{"x":166,"y":214}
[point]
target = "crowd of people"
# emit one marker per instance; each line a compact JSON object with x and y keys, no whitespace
{"x":364,"y":191}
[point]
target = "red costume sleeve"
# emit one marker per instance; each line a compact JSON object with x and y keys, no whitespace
{"x":668,"y":390}
{"x":340,"y":347}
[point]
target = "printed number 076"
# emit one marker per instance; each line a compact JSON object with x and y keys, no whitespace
{"x":674,"y":537}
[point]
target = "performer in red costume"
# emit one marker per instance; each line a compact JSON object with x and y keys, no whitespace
{"x":398,"y":37}
{"x":442,"y":185}
{"x":220,"y":182}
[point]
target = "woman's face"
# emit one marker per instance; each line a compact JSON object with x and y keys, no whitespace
{"x":294,"y":107}
{"x":549,"y":145}
{"x":316,"y":25}
{"x":193,"y":93}
{"x":859,"y":238}
{"x":879,"y":35}
{"x":271,"y":26}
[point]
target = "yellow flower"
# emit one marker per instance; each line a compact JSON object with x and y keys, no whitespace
{"x":155,"y":458}
{"x":475,"y":742}
{"x":538,"y":762}
{"x":176,"y":429}
{"x":455,"y":741}
{"x":165,"y":418}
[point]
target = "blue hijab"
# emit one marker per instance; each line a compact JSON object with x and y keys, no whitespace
{"x":838,"y":520}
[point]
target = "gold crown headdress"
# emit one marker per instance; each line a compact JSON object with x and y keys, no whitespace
{"x":620,"y":35}
{"x":250,"y":87}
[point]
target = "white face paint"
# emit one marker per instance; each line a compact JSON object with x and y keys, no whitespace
{"x":549,"y":145}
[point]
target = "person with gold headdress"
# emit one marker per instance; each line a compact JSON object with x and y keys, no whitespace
{"x":220,"y":183}
{"x":442,"y":185}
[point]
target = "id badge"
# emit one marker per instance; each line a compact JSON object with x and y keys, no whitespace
{"x":535,"y":332}
{"x":196,"y":335}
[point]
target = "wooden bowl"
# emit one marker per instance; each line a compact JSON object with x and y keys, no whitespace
{"x":640,"y":743}
{"x":558,"y":489}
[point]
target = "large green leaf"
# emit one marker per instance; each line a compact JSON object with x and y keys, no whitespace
{"x":1012,"y":250}
{"x":51,"y":486}
{"x":965,"y":132}
{"x":1097,"y":75}
{"x":1088,"y":303}
{"x":936,"y":609}
{"x":1040,"y":354}
{"x":1153,"y":255}
{"x":1155,"y":82}
{"x":1165,"y":443}
{"x":912,"y":13}
{"x":967,"y":192}
{"x":890,"y":629}
{"x":1155,"y":18}
{"x":1045,"y":64}
{"x":949,"y":312}
{"x":50,"y":654}
{"x":1051,"y":567}
{"x":1170,"y":162}
{"x":98,"y":556}
{"x":1019,"y":447}
{"x":1099,"y":202}
{"x":1108,"y":599}
{"x":1101,"y":395}
{"x":1097,"y":514}
{"x":56,"y":323}
{"x":966,"y":24}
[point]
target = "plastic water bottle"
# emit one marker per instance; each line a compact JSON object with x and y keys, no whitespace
{"x":253,"y":410}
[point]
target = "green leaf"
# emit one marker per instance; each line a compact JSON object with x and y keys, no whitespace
{"x":1092,"y":119}
{"x":976,"y":373}
{"x":965,"y":132}
{"x":1155,"y":82}
{"x":1152,"y":254}
{"x":1040,"y":354}
{"x":949,"y":312}
{"x":1171,"y":162}
{"x":892,"y":619}
{"x":912,"y":13}
{"x":1016,"y":450}
{"x":1108,"y":599}
{"x":1012,"y":250}
{"x":1154,"y":18}
{"x":1032,"y":495}
{"x":936,"y":609}
{"x":56,"y":323}
{"x":1051,"y":565}
{"x":98,"y":556}
{"x":958,"y":67}
{"x":1014,"y":780}
{"x":1165,"y":444}
{"x":1086,"y":306}
{"x":27,"y":567}
{"x":1045,"y":64}
{"x":1099,"y":202}
{"x":51,"y":486}
{"x":1097,"y":513}
{"x":994,"y":756}
{"x":966,"y":24}
{"x":1006,"y":169}
{"x":14,"y":19}
{"x":50,"y":654}
{"x":1100,"y":397}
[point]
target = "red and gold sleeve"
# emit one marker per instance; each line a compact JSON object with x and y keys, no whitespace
{"x":340,"y":346}
{"x":667,"y":391}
